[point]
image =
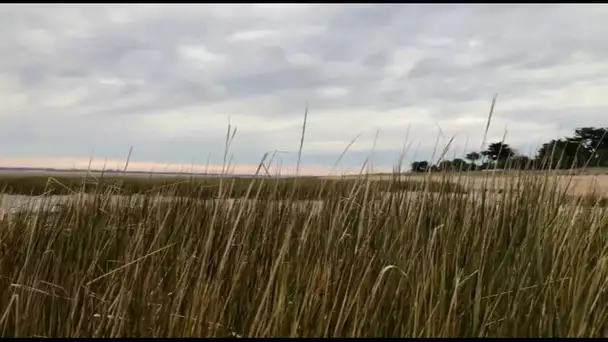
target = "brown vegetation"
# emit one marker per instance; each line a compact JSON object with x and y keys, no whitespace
{"x":425,"y":264}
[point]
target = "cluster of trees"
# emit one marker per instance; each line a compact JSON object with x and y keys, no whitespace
{"x":588,"y":146}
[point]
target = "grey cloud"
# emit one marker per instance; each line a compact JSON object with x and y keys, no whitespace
{"x":376,"y":60}
{"x":32,"y":75}
{"x":288,"y":78}
{"x":433,"y":66}
{"x":563,"y":117}
{"x":461,"y":55}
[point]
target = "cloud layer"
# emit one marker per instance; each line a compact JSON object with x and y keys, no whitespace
{"x":169,"y":79}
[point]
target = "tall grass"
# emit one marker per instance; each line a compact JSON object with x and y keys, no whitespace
{"x":444,"y":263}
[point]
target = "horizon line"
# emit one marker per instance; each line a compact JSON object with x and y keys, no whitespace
{"x":80,"y":164}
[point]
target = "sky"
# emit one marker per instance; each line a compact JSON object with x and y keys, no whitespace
{"x":91,"y":81}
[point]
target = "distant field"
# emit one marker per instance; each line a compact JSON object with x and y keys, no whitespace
{"x":80,"y":174}
{"x":197,"y":186}
{"x":592,"y":180}
{"x":577,"y":182}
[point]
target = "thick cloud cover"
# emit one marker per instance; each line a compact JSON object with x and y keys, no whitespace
{"x":169,"y":79}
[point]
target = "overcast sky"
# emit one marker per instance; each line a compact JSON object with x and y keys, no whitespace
{"x":77,"y":80}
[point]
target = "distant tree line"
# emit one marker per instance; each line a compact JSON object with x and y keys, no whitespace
{"x":588,"y":146}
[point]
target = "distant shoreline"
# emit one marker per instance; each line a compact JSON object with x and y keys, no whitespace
{"x":18,"y":170}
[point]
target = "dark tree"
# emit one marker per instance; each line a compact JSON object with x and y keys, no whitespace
{"x":562,"y":154}
{"x":594,"y":143}
{"x":445,"y":165}
{"x":420,"y":166}
{"x":520,"y":163}
{"x":459,"y":164}
{"x":472,"y":157}
{"x":498,"y":151}
{"x":451,"y":165}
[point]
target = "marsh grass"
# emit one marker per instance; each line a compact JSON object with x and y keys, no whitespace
{"x":518,"y":263}
{"x":205,"y":188}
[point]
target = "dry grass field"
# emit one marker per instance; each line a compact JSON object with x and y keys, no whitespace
{"x":578,"y":183}
{"x":403,"y":256}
